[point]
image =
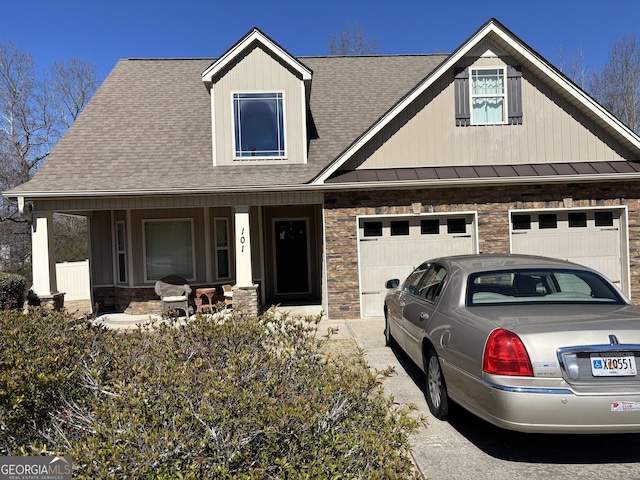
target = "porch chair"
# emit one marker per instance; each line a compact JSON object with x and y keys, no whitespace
{"x":174,"y":292}
{"x":228,"y":296}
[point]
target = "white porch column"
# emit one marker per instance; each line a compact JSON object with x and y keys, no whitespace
{"x":43,"y":258}
{"x":244,"y":276}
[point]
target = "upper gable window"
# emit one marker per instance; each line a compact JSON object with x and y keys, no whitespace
{"x":488,"y":96}
{"x":259,"y":125}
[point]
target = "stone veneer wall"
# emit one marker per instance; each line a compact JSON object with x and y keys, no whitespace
{"x":135,"y":301}
{"x":245,"y":300}
{"x":142,"y":301}
{"x":492,"y":204}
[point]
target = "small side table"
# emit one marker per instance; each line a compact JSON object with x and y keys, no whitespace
{"x":202,"y":293}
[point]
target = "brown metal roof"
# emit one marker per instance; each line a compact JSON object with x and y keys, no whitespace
{"x":486,"y":171}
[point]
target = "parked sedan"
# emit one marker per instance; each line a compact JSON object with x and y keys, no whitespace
{"x":527,"y":343}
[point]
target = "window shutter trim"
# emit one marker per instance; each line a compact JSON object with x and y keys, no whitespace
{"x":514,"y":95}
{"x":461,"y":89}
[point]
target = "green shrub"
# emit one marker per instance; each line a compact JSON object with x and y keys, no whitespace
{"x":236,"y":397}
{"x":12,"y":290}
{"x":40,"y":369}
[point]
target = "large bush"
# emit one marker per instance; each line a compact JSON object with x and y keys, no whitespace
{"x":236,"y":397}
{"x":41,"y":360}
{"x":12,"y":290}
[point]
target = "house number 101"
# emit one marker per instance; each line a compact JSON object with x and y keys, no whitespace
{"x":242,"y":239}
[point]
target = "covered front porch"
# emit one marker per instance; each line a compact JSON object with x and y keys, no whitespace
{"x":269,"y":248}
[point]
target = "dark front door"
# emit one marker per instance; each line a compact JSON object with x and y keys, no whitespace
{"x":291,"y":256}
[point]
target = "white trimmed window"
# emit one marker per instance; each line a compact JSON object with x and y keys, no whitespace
{"x":168,"y":248}
{"x":258,"y":125}
{"x":121,"y":251}
{"x":222,"y":248}
{"x":488,"y":96}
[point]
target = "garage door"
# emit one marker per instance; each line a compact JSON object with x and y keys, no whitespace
{"x":590,"y":237}
{"x":391,"y":247}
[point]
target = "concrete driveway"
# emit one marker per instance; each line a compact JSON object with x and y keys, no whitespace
{"x":469,"y":448}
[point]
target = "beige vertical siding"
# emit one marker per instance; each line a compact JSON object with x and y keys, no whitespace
{"x":425,"y":134}
{"x":101,"y":248}
{"x":259,"y":72}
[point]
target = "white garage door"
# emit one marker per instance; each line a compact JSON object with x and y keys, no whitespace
{"x":391,"y":247}
{"x":588,"y":237}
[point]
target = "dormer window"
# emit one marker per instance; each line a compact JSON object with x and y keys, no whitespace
{"x":488,"y":96}
{"x":259,"y":125}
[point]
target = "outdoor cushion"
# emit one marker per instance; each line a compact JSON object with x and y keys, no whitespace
{"x":175,"y":299}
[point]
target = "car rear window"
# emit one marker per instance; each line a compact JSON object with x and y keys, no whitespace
{"x":539,"y":286}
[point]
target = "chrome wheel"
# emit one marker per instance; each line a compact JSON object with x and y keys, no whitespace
{"x":436,"y":389}
{"x":435,"y":381}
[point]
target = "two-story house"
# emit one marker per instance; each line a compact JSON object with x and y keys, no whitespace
{"x":315,"y":179}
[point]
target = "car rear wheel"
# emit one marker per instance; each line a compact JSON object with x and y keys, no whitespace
{"x":436,"y":391}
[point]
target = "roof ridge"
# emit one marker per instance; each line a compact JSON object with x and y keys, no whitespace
{"x":377,"y":55}
{"x":134,"y":59}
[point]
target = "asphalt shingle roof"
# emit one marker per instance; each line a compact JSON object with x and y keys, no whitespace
{"x":148,"y":127}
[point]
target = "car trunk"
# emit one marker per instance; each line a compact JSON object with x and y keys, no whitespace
{"x":568,"y":341}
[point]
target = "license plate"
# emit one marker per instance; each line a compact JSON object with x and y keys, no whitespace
{"x":623,"y":365}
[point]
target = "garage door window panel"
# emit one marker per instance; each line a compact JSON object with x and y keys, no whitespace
{"x":603,"y":219}
{"x":372,"y":229}
{"x":429,"y":227}
{"x":547,"y":221}
{"x":577,"y":220}
{"x":399,"y":227}
{"x":456,"y":225}
{"x":521,"y":222}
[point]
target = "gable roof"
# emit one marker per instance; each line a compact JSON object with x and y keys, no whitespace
{"x":147,"y":130}
{"x":506,"y":40}
{"x":254,"y":36}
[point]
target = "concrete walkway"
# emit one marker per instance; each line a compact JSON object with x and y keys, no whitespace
{"x":120,"y":321}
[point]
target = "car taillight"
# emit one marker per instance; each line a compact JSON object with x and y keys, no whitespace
{"x":504,"y":354}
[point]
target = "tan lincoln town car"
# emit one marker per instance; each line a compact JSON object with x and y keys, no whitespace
{"x":527,"y":343}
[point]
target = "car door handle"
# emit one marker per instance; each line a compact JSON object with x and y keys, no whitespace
{"x":424,"y":316}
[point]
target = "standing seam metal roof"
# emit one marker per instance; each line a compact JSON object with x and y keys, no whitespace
{"x":486,"y":171}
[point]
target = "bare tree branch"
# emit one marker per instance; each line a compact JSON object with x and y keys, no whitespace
{"x":574,"y":67}
{"x":35,"y":111}
{"x":617,"y":86}
{"x":352,"y":41}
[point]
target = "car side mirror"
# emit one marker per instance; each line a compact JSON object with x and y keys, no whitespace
{"x":393,"y":283}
